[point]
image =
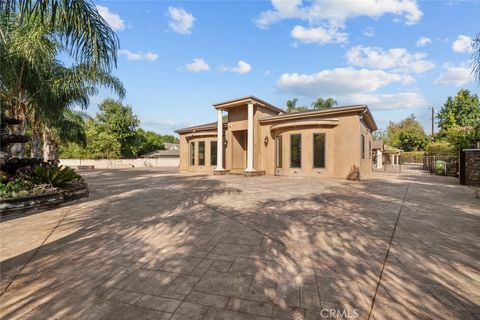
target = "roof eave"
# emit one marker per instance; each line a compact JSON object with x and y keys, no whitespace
{"x":247,"y":99}
{"x":307,"y":114}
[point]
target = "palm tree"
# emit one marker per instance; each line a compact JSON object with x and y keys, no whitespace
{"x":34,"y":85}
{"x":291,"y":105}
{"x":476,"y":57}
{"x":69,"y":126}
{"x":324,"y":104}
{"x":68,"y":87}
{"x":80,"y":27}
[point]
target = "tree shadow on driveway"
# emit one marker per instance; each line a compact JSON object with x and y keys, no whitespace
{"x":151,"y":244}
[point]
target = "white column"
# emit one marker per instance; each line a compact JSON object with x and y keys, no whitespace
{"x":250,"y":139}
{"x":219,"y":140}
{"x":379,"y":159}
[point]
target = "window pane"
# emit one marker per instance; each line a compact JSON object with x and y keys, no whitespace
{"x":192,"y":153}
{"x":369,"y":149}
{"x":213,"y":153}
{"x":296,"y":151}
{"x":319,"y":150}
{"x":201,"y":153}
{"x":363,"y":146}
{"x":279,"y":152}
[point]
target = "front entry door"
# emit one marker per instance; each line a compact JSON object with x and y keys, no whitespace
{"x":239,"y":150}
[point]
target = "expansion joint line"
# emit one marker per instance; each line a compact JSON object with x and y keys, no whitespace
{"x":34,"y":253}
{"x":388,"y":252}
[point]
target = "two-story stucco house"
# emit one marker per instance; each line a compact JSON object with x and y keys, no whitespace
{"x":259,"y":138}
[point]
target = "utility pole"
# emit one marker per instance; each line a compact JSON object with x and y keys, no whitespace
{"x":433,"y":123}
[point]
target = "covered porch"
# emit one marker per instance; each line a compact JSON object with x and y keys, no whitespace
{"x":242,"y":135}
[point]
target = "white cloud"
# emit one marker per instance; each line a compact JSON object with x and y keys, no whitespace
{"x":388,"y":101}
{"x":241,"y":68}
{"x":318,"y":35}
{"x":337,"y":12}
{"x":423,"y":41}
{"x":369,"y":32}
{"x":197,"y":65}
{"x":456,"y":75}
{"x":181,"y":21}
{"x":397,"y":59}
{"x":463,"y":44}
{"x":113,"y":19}
{"x":352,"y":86}
{"x":136,"y":56}
{"x":339,"y":82}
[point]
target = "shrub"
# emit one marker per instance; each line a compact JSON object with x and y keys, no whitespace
{"x":55,"y":176}
{"x":18,"y":187}
{"x":412,"y":157}
{"x":440,"y":148}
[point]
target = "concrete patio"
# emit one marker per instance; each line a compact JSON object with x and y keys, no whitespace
{"x":155,"y":244}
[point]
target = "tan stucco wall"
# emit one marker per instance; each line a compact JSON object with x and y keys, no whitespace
{"x":342,"y":146}
{"x":342,"y":149}
{"x":185,"y":154}
{"x":365,"y":164}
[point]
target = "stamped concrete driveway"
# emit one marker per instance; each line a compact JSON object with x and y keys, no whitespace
{"x":154,"y":244}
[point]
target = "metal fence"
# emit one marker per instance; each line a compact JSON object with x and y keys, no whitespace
{"x":446,"y":165}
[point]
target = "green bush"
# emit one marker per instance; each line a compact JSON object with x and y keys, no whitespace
{"x":55,"y":176}
{"x":412,"y":157}
{"x":440,"y":148}
{"x":18,"y":187}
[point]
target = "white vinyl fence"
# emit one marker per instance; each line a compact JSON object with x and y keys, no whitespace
{"x":122,"y":163}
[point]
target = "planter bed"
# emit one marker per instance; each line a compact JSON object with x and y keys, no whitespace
{"x":45,"y":200}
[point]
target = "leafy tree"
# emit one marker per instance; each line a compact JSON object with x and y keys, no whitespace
{"x":148,"y":141}
{"x":459,"y":119}
{"x":118,"y":122}
{"x":101,"y":143}
{"x":461,"y":110}
{"x":407,"y":135}
{"x":167,"y":138}
{"x":324,"y":104}
{"x":441,"y":147}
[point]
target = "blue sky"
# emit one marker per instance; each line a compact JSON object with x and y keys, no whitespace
{"x":177,"y":58}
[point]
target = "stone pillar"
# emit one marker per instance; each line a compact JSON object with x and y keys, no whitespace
{"x":219,"y":141}
{"x":379,"y":159}
{"x":250,"y":139}
{"x":392,"y":158}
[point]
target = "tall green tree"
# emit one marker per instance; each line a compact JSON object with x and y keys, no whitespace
{"x":117,"y":122}
{"x":459,"y":120}
{"x":321,"y":103}
{"x":407,"y":135}
{"x":147,"y":141}
{"x":461,"y":110}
